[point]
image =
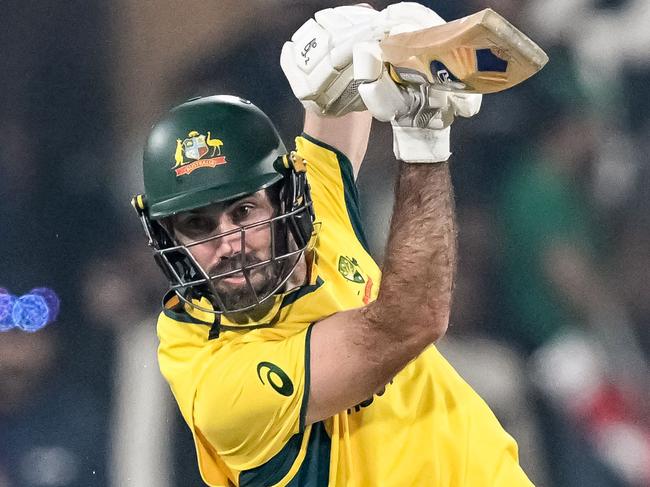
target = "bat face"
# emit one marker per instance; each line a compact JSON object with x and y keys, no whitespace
{"x":480,"y":53}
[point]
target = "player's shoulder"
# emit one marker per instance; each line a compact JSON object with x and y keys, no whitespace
{"x":333,"y":190}
{"x":315,"y":147}
{"x":323,"y":159}
{"x":178,"y":323}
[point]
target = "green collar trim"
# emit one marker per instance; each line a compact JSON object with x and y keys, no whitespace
{"x":174,"y":309}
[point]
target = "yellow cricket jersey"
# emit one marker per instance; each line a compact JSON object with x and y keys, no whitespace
{"x":243,"y":393}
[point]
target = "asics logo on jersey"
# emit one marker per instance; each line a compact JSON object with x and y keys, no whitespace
{"x":276,"y":377}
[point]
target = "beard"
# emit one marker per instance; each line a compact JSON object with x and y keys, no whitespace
{"x":263,"y":280}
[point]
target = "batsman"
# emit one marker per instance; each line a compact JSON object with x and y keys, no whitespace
{"x":293,"y":358}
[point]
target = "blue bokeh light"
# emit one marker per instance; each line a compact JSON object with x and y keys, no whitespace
{"x":51,"y":300}
{"x":7,"y":302}
{"x":30,"y":313}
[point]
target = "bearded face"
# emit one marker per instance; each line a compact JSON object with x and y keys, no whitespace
{"x":214,"y":236}
{"x":235,"y":291}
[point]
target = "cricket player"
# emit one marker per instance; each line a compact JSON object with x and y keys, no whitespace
{"x":293,"y":359}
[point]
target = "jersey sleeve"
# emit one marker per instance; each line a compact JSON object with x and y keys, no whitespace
{"x":333,"y":190}
{"x":251,"y":400}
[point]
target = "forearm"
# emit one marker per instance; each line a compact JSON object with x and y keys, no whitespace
{"x":416,"y":290}
{"x":355,"y":353}
{"x":349,"y":133}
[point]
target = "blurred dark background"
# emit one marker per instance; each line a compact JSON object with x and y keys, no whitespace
{"x":552,"y":301}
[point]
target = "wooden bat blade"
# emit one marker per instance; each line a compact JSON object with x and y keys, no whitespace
{"x":480,"y":53}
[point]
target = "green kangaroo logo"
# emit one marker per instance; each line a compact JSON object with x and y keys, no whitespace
{"x":276,"y":377}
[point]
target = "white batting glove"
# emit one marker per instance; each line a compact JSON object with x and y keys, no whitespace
{"x":317,"y":60}
{"x":419,"y":114}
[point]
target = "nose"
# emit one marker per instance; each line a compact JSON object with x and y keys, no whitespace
{"x":230,"y":244}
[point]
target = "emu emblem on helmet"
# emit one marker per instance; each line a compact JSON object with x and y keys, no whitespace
{"x":190,"y":153}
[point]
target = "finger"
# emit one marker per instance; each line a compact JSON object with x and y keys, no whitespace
{"x":297,"y":78}
{"x":341,"y":54}
{"x":410,"y":13}
{"x":311,"y":44}
{"x":367,"y":62}
{"x":465,"y":104}
{"x":384,"y":99}
{"x":345,"y":17}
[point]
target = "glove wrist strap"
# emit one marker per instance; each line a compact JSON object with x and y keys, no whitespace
{"x":413,"y":144}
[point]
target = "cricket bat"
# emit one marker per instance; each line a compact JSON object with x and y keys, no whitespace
{"x":480,"y":53}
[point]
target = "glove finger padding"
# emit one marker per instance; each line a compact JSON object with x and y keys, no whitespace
{"x":407,"y":17}
{"x":465,"y":104}
{"x":318,"y":59}
{"x":383,"y":98}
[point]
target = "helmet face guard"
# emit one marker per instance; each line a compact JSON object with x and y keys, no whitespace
{"x":288,"y":241}
{"x":213,"y":150}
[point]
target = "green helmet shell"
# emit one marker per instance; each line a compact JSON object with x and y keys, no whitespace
{"x":209,"y":150}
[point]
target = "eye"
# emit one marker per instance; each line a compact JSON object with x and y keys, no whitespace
{"x":242,"y":212}
{"x":196,"y":226}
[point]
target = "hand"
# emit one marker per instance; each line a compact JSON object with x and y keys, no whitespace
{"x":420,"y":114}
{"x":317,"y":60}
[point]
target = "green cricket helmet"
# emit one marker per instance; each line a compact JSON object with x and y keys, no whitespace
{"x":212,"y":150}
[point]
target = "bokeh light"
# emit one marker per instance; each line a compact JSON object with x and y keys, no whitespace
{"x":29,"y":312}
{"x":6,"y":306}
{"x":51,"y":299}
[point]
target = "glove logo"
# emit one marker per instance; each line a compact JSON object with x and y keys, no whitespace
{"x":310,"y":45}
{"x":276,"y":377}
{"x":190,"y":153}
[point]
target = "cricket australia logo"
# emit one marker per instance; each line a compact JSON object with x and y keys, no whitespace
{"x":197,"y":151}
{"x":349,"y":269}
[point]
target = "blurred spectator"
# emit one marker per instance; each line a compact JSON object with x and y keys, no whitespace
{"x":493,"y":367}
{"x":54,"y":125}
{"x":51,"y":434}
{"x":561,"y":305}
{"x":607,"y":35}
{"x":122,"y":292}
